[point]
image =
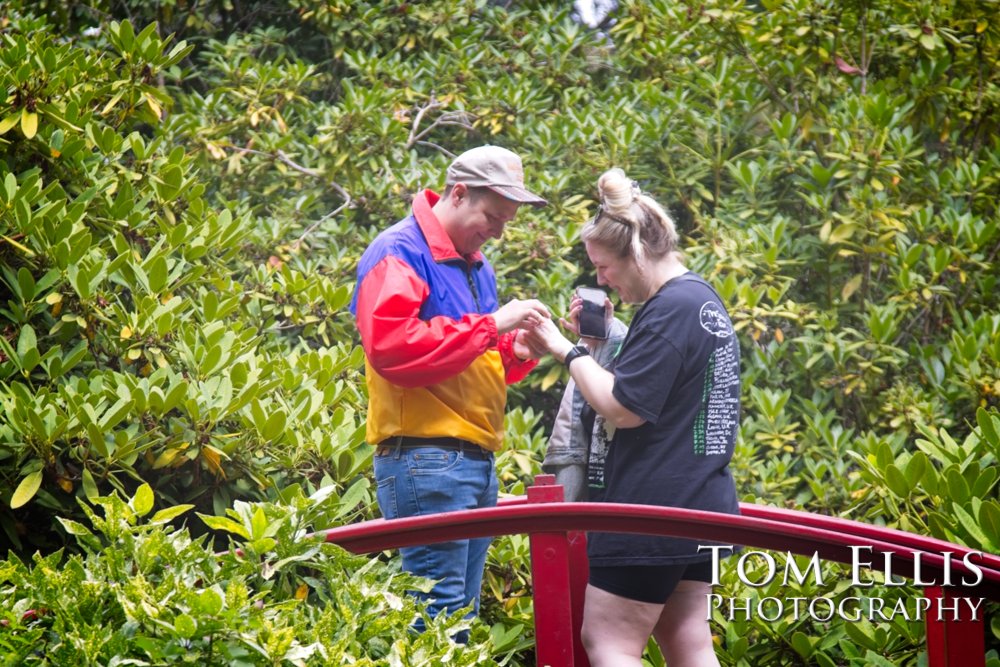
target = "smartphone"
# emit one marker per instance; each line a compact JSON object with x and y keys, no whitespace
{"x":593,"y":316}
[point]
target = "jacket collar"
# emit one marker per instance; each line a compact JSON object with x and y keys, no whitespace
{"x":442,"y":249}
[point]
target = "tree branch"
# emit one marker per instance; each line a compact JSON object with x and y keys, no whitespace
{"x":283,"y":158}
{"x":417,"y":136}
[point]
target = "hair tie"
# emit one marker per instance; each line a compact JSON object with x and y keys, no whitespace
{"x":602,"y":211}
{"x":636,"y":191}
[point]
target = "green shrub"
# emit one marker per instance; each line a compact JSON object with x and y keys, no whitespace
{"x":141,"y":592}
{"x":133,"y":348}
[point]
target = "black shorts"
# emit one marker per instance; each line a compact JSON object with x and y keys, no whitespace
{"x":648,"y":583}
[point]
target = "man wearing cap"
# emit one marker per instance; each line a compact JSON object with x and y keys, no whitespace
{"x":439,"y":354}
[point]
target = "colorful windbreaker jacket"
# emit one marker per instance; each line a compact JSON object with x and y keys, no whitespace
{"x":435,"y":365}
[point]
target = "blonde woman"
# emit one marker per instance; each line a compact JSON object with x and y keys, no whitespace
{"x":673,"y":402}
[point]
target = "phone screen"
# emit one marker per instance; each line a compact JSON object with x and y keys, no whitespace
{"x":593,"y":319}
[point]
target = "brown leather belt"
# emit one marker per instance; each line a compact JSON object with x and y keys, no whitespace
{"x":390,"y":445}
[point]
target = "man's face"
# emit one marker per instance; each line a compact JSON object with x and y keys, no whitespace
{"x":480,"y":219}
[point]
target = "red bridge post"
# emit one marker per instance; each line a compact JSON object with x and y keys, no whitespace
{"x":954,"y":631}
{"x":555,"y":630}
{"x":579,"y":571}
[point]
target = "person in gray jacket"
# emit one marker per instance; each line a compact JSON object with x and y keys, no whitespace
{"x":580,"y":437}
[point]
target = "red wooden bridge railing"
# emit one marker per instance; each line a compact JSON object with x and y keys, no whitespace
{"x":559,"y":562}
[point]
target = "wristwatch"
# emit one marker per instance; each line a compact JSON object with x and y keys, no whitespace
{"x":575,"y":351}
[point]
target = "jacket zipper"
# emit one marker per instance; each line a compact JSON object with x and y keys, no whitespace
{"x":472,"y":287}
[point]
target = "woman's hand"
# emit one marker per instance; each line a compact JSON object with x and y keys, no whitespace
{"x":573,"y":323}
{"x":546,"y":336}
{"x":523,"y":348}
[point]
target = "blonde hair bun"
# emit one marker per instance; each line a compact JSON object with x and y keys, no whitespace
{"x":616,"y":192}
{"x":629,"y":221}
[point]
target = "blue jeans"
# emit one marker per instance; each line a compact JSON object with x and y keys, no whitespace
{"x":429,"y":480}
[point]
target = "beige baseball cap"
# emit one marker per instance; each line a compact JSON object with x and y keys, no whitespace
{"x":495,"y":168}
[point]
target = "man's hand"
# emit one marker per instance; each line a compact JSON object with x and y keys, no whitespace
{"x":520,"y":314}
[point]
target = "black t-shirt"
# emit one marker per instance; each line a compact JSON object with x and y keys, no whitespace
{"x":679,"y":369}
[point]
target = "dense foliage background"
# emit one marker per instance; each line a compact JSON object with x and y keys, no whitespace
{"x":187,"y":186}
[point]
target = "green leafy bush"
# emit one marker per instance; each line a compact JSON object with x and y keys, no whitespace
{"x":141,"y":592}
{"x":131,"y":348}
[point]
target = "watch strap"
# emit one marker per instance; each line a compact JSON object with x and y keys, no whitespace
{"x":575,"y":352}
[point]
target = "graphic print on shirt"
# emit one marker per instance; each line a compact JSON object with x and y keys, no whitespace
{"x":599,"y":442}
{"x":714,"y":320}
{"x":719,"y":416}
{"x":600,"y":438}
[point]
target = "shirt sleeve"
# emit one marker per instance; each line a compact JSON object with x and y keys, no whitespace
{"x":515,"y":369}
{"x":405,"y":349}
{"x":645,"y":373}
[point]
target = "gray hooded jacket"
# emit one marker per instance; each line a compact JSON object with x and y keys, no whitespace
{"x":568,"y":444}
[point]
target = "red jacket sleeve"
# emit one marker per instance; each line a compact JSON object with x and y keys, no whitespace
{"x":516,"y":369}
{"x":405,"y":349}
